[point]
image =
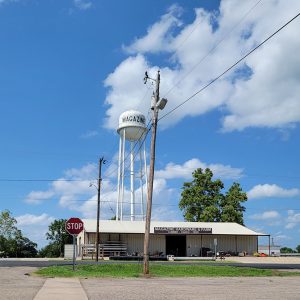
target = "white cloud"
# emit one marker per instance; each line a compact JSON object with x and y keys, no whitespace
{"x":267,"y":215}
{"x":165,"y":202}
{"x":293,"y":219}
{"x":266,"y":97}
{"x":75,"y":183}
{"x":279,"y":236}
{"x":166,"y":213}
{"x":29,"y":219}
{"x":88,"y":172}
{"x":74,"y":192}
{"x":185,"y":170}
{"x":37,"y":197}
{"x":35,"y":227}
{"x":72,"y":189}
{"x":83,"y":4}
{"x":126,"y":88}
{"x":158,"y":35}
{"x":271,"y":190}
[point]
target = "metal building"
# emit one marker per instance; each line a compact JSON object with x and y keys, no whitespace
{"x":168,"y":238}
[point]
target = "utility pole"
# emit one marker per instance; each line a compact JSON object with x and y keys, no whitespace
{"x":151,"y":172}
{"x":101,"y":161}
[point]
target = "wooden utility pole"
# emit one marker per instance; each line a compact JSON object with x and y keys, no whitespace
{"x":101,"y":161}
{"x":151,"y":175}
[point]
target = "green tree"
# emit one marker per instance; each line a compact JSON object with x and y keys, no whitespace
{"x":200,"y":198}
{"x":286,"y":250}
{"x":58,"y":235}
{"x":51,"y":250}
{"x":8,"y":223}
{"x":12,"y":241}
{"x":20,"y":246}
{"x":298,"y":248}
{"x":231,"y":205}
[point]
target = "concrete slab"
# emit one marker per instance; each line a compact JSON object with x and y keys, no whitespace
{"x":264,"y":260}
{"x":61,"y":289}
{"x":227,"y":288}
{"x":15,"y":283}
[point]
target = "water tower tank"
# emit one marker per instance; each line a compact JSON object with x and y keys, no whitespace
{"x":132,"y":128}
{"x":133,"y":123}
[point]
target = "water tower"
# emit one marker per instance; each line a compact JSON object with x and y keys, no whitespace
{"x":132,"y":129}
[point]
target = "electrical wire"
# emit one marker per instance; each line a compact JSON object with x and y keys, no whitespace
{"x":134,"y":146}
{"x":250,"y":175}
{"x":211,"y":49}
{"x":112,"y":151}
{"x":229,"y":68}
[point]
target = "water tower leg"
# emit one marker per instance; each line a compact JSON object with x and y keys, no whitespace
{"x":119,"y":179}
{"x":122,"y":176}
{"x":132,"y":196}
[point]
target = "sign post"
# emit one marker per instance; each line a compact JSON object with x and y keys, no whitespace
{"x":215,"y":244}
{"x":74,"y":226}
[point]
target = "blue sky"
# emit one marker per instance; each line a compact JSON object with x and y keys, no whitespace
{"x":69,"y":68}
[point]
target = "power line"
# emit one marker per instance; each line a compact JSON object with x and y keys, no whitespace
{"x":42,"y":180}
{"x":228,"y":69}
{"x":135,"y":144}
{"x":176,"y":205}
{"x":175,"y":108}
{"x":116,"y":143}
{"x":211,"y":49}
{"x":93,"y":179}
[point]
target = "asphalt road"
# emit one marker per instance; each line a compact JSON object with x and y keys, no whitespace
{"x":44,"y":263}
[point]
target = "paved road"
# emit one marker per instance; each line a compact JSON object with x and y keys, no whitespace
{"x":45,"y":263}
{"x":15,"y":285}
{"x":274,"y":288}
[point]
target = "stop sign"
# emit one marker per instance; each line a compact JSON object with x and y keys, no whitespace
{"x":74,"y":226}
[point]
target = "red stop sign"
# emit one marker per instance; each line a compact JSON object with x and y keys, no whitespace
{"x":74,"y":226}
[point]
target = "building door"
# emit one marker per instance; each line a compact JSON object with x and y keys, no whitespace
{"x":176,"y":245}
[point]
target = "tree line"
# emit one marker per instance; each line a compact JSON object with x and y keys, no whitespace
{"x":13,"y":243}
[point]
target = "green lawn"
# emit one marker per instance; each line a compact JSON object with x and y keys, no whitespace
{"x":157,"y":270}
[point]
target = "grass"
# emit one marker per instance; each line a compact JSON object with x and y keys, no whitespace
{"x":158,"y":270}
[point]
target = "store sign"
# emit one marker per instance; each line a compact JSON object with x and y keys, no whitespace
{"x":182,"y":230}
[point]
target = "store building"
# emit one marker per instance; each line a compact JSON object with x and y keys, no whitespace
{"x":126,"y":238}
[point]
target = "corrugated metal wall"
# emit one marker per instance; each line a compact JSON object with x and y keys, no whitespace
{"x":91,"y":238}
{"x":135,"y":243}
{"x":68,"y":251}
{"x":225,"y":243}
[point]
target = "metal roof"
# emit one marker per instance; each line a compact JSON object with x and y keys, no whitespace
{"x":112,"y":226}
